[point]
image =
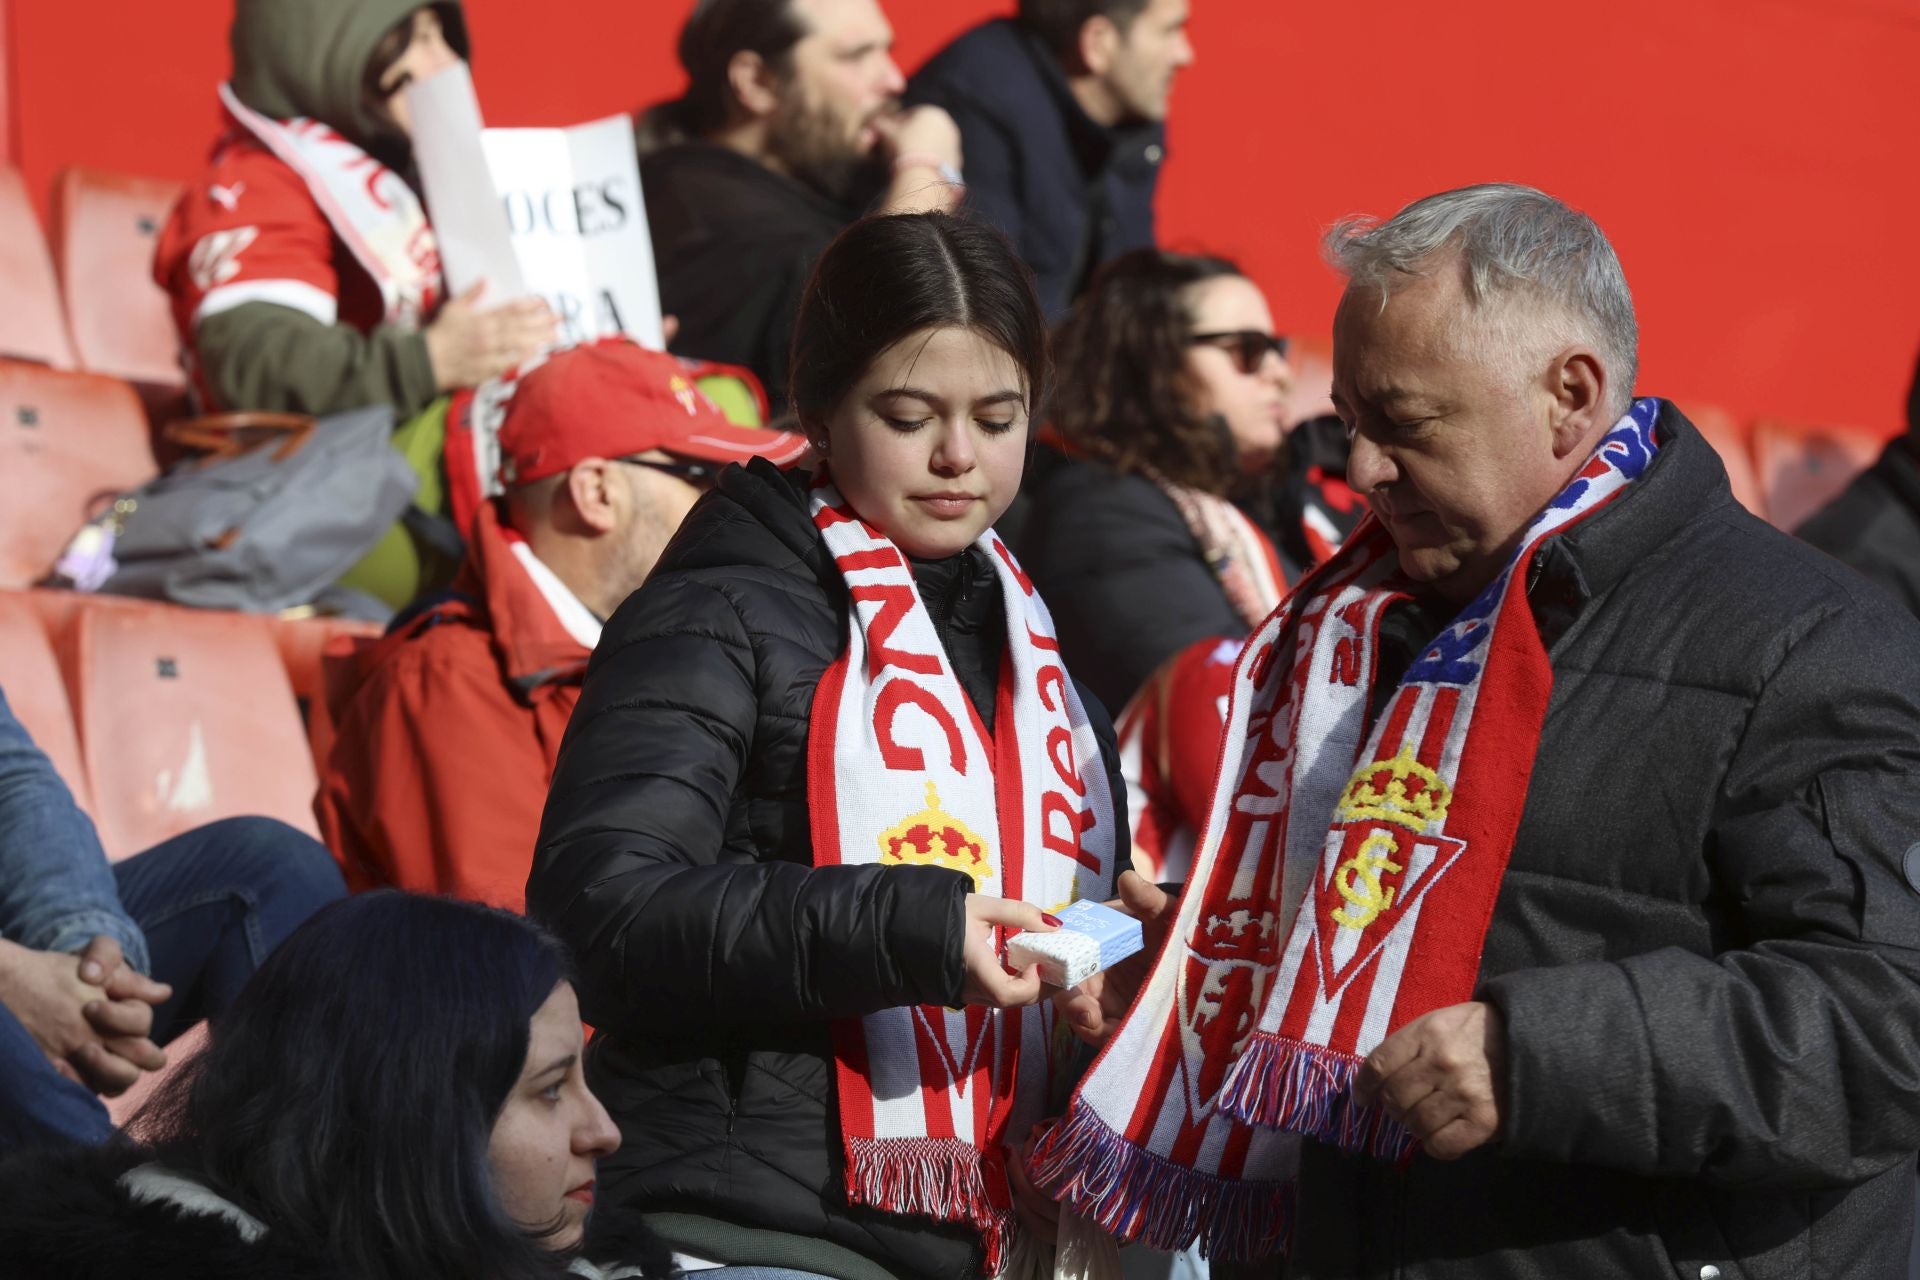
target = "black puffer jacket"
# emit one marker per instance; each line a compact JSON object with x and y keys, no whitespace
{"x":675,"y":858}
{"x":1707,"y":943}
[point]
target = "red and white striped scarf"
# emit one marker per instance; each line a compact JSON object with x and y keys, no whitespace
{"x":901,"y":772}
{"x":369,"y":206}
{"x":1343,"y":887}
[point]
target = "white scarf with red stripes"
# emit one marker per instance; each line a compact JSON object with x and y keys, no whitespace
{"x":1343,"y":887}
{"x":901,"y":772}
{"x":369,"y":206}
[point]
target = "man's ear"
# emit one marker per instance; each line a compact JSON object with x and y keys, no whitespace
{"x":1580,"y":388}
{"x":591,"y":488}
{"x":1099,"y":44}
{"x":755,"y":86}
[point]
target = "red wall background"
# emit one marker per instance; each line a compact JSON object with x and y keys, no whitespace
{"x":1754,"y":161}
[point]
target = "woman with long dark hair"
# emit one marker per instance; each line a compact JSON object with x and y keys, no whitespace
{"x":396,"y":1095}
{"x":1171,"y":400}
{"x":825,"y":762}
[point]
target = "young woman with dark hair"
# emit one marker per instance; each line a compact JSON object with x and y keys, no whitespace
{"x":825,"y":762}
{"x":1171,"y":399}
{"x":396,"y":1095}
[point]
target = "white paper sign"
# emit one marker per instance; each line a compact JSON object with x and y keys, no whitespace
{"x":553,"y":212}
{"x":468,"y":218}
{"x":579,"y":225}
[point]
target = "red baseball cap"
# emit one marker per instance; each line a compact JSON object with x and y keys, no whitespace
{"x":614,"y":398}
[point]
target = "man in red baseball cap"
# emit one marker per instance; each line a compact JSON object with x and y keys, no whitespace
{"x":440,"y":766}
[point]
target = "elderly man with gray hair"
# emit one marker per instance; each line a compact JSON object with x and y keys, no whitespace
{"x":1559,"y":909}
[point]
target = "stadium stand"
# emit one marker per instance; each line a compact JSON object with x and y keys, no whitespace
{"x":1803,"y":468}
{"x":185,"y":716}
{"x":68,"y":442}
{"x":32,"y":325}
{"x":103,"y":230}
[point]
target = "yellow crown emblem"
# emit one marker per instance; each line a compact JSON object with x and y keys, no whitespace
{"x":935,"y":838}
{"x":1401,"y":791}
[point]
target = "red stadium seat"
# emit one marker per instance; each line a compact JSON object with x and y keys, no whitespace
{"x":303,"y":645}
{"x":1803,"y":468}
{"x":68,"y":442}
{"x":32,"y":325}
{"x":1733,"y":442}
{"x":104,"y":229}
{"x":186,"y":716}
{"x":30,"y":677}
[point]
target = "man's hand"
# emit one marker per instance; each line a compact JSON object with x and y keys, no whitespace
{"x":1443,"y":1076}
{"x":96,"y":1034}
{"x":1094,"y":1008}
{"x":920,"y":142}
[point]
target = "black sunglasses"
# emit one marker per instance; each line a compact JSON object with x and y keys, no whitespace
{"x":1248,"y":347}
{"x":702,"y":474}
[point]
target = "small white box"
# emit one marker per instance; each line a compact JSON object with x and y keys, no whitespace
{"x":1092,"y":937}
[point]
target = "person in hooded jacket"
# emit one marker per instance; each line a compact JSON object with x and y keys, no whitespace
{"x":824,"y":763}
{"x":303,"y":272}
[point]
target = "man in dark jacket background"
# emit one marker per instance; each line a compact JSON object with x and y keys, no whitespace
{"x":1875,"y":525}
{"x":1693,"y":1041}
{"x":1061,"y":114}
{"x":790,"y":128}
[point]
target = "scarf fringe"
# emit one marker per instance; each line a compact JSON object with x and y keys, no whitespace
{"x":1279,"y":1083}
{"x":1134,"y":1194}
{"x":938,"y":1178}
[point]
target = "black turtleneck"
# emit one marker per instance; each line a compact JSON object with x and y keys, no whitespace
{"x":962,"y":593}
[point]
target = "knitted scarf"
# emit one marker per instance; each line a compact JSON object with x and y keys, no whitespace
{"x":1240,"y":556}
{"x":369,"y":206}
{"x":1343,"y":887}
{"x":901,"y":772}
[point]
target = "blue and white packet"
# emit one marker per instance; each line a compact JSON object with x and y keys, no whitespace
{"x":1092,"y":936}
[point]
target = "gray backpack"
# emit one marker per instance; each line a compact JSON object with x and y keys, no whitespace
{"x":275,"y":510}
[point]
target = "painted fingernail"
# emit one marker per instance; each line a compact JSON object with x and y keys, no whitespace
{"x":1052,"y":920}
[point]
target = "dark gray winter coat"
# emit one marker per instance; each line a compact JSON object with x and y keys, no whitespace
{"x":1707,"y":945}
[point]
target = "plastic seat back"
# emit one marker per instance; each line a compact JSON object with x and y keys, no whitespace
{"x":30,"y":676}
{"x":1803,"y":468}
{"x":303,"y":645}
{"x":1734,"y":443}
{"x":105,"y":226}
{"x":186,"y":716}
{"x":32,"y":324}
{"x":68,"y":443}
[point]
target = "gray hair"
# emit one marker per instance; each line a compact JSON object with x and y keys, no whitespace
{"x":1511,"y":240}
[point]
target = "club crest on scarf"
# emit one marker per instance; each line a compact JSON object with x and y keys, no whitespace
{"x":1342,"y":887}
{"x":933,"y":838}
{"x":927,"y":1095}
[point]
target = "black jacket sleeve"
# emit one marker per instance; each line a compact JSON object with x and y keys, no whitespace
{"x":266,"y":358}
{"x":1791,"y":1058}
{"x":640,"y":866}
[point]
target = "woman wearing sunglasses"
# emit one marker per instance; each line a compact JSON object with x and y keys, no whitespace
{"x":1171,"y":400}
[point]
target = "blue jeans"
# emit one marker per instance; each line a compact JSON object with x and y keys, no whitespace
{"x":212,"y":903}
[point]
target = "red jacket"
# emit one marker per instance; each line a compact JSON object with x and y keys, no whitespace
{"x":447,"y":734}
